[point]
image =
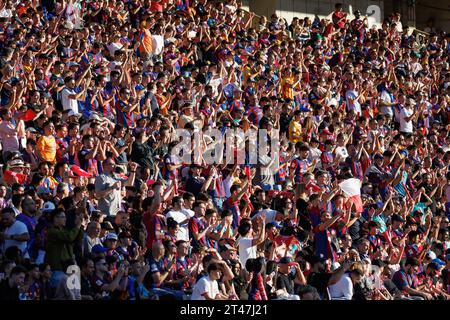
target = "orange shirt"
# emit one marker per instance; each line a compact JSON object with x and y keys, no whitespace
{"x":146,"y":45}
{"x":46,"y":147}
{"x":286,"y":87}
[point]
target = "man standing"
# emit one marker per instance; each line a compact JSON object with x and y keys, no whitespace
{"x":352,"y":98}
{"x":8,"y":133}
{"x":46,"y":145}
{"x":28,"y":217}
{"x":247,"y":242}
{"x":69,"y":97}
{"x":108,"y":187}
{"x":339,"y":16}
{"x":181,"y":216}
{"x":198,"y":228}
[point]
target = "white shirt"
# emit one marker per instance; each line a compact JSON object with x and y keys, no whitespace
{"x":6,"y":13}
{"x":270,"y":215}
{"x":341,"y":152}
{"x":406,"y":126}
{"x":113,"y":47}
{"x":67,"y":103}
{"x":180,"y":216}
{"x":246,"y":250}
{"x":386,"y":97}
{"x":314,"y":153}
{"x":158,"y":44}
{"x":355,"y":105}
{"x":227,"y":183}
{"x":343,"y":289}
{"x":205,"y":285}
{"x":17,"y":228}
{"x":416,"y":67}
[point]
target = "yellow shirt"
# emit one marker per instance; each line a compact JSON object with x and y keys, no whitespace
{"x":286,"y":87}
{"x":46,"y":147}
{"x":295,"y":128}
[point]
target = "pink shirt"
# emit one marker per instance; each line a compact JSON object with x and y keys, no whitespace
{"x":8,"y":136}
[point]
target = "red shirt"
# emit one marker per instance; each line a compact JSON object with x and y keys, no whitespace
{"x":337,"y":16}
{"x":154,"y":223}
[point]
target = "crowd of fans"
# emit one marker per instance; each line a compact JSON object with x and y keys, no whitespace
{"x":95,"y":205}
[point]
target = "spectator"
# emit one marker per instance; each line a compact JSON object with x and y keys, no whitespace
{"x":16,"y":232}
{"x":207,"y":288}
{"x":9,"y":287}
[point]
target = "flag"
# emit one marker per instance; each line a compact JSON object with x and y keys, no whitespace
{"x":387,"y":235}
{"x":352,"y":189}
{"x":9,"y":176}
{"x":249,"y":177}
{"x":29,"y":115}
{"x":80,"y":172}
{"x":219,"y":187}
{"x":247,"y":199}
{"x":292,"y":244}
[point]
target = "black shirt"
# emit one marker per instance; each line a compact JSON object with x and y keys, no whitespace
{"x":142,"y":154}
{"x":355,"y":229}
{"x":7,"y":293}
{"x":304,"y":220}
{"x":195,"y":184}
{"x":320,"y":282}
{"x":286,"y":281}
{"x":86,"y":287}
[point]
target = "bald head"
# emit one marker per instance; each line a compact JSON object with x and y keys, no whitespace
{"x":93,"y":229}
{"x":158,"y":250}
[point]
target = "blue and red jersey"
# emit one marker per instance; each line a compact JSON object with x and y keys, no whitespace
{"x":300,"y":167}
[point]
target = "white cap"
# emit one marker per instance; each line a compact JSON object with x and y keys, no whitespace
{"x":48,"y":206}
{"x":431,"y":255}
{"x":112,"y":236}
{"x":335,"y":266}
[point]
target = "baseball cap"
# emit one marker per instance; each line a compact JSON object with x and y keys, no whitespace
{"x":433,"y":265}
{"x":107,"y":225}
{"x":94,"y":116}
{"x":378,"y":157}
{"x":336,"y":265}
{"x":111,"y":236}
{"x":31,"y":129}
{"x":440,"y":264}
{"x":72,"y":113}
{"x":48,"y":206}
{"x":286,"y":260}
{"x":16,"y":163}
{"x":99,"y":249}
